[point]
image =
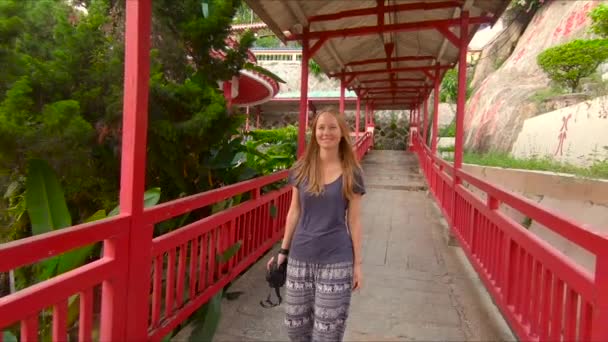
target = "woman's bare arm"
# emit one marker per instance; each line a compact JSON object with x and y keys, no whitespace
{"x":354,"y":223}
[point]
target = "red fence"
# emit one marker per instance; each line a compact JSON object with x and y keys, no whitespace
{"x":184,"y":273}
{"x":542,"y":293}
{"x":363,"y":144}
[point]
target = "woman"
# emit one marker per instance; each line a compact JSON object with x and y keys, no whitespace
{"x":322,"y":240}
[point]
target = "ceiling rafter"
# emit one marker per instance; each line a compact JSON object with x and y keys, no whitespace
{"x":383,"y":71}
{"x":391,"y":60}
{"x":401,"y":27}
{"x":424,"y":6}
{"x":397,"y":80}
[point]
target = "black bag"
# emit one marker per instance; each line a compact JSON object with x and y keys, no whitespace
{"x":275,"y":276}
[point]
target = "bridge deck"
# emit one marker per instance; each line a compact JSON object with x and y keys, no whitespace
{"x":415,"y":286}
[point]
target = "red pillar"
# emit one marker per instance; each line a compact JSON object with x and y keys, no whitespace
{"x":357,"y":117}
{"x":425,"y":120}
{"x":122,"y":301}
{"x":599,"y":330}
{"x":436,"y":110}
{"x":366,"y":115}
{"x":372,"y":113}
{"x":228,"y":93}
{"x":303,"y":95}
{"x":460,"y":102}
{"x":247,"y":121}
{"x":342,"y":90}
{"x":257,"y":118}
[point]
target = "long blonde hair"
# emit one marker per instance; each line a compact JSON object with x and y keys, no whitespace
{"x":308,"y":168}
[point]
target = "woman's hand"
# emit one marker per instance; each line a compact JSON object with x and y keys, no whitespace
{"x":357,"y":277}
{"x":281,"y":259}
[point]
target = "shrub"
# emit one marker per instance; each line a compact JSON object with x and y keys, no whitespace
{"x":568,"y":63}
{"x":449,"y":86}
{"x":599,"y":18}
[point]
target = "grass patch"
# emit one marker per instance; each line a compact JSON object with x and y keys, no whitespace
{"x":544,"y":94}
{"x":448,"y":131}
{"x":446,"y":148}
{"x":598,"y":170}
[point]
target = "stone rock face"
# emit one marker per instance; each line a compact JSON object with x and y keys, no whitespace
{"x":496,"y":111}
{"x":500,"y":48}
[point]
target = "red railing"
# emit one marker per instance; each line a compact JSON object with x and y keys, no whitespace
{"x":184,"y":273}
{"x":363,"y":144}
{"x":542,"y":293}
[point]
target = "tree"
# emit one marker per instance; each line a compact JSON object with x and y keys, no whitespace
{"x":568,"y":63}
{"x":599,"y":19}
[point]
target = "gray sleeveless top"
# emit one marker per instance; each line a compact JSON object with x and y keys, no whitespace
{"x":322,"y":235}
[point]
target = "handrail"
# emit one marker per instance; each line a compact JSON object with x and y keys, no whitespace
{"x":186,"y":271}
{"x":526,"y":276}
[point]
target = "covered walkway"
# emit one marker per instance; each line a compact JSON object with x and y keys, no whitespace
{"x":393,"y":54}
{"x":416,"y":287}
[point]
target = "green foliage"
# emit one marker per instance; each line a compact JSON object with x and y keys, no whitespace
{"x":267,"y":41}
{"x":46,"y":206}
{"x":446,"y":148}
{"x":528,"y":5}
{"x":271,"y":150}
{"x":448,"y":131}
{"x":314,"y":68}
{"x":449,"y":86}
{"x":8,"y":337}
{"x":599,"y":169}
{"x":599,"y":19}
{"x":568,"y":63}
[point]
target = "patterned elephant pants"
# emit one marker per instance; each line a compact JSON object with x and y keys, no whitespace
{"x":317,"y":300}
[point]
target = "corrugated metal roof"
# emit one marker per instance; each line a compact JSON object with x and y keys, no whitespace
{"x":416,"y":42}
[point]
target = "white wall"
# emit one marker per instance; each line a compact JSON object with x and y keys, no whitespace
{"x":582,"y":131}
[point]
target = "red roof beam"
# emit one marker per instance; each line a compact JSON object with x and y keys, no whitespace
{"x":381,"y":71}
{"x":406,"y":99}
{"x":387,"y":60}
{"x":401,"y":27}
{"x":397,"y":80}
{"x":376,"y":89}
{"x":424,"y":6}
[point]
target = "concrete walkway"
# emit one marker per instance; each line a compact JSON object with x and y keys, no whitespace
{"x":415,"y":286}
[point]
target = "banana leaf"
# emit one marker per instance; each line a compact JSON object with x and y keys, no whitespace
{"x":151,"y":198}
{"x":44,"y":198}
{"x":7,"y":336}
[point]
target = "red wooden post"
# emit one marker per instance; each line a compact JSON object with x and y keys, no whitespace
{"x":460,"y":106}
{"x":134,"y":305}
{"x":357,"y":117}
{"x":247,"y":121}
{"x":372,"y":113}
{"x":436,"y":110}
{"x":425,"y":119}
{"x":342,"y":90}
{"x":303,"y":95}
{"x":599,"y":327}
{"x":228,"y":93}
{"x":460,"y":103}
{"x":257,"y":117}
{"x":366,"y":115}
